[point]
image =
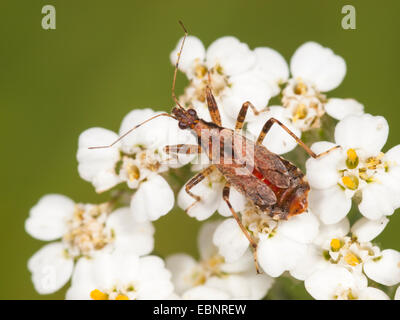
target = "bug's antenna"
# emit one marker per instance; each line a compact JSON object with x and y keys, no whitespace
{"x":177,"y":64}
{"x":130,"y":130}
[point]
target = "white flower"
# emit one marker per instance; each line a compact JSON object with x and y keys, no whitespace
{"x":120,"y":276}
{"x":80,"y":230}
{"x":214,"y":278}
{"x":277,"y":140}
{"x":210,"y":192}
{"x":314,"y":70}
{"x":280,"y":243}
{"x":341,"y":108}
{"x":358,"y":170}
{"x":397,"y":294}
{"x":233,"y":69}
{"x":333,"y":246}
{"x":335,"y":282}
{"x":138,"y":159}
{"x":385,"y":269}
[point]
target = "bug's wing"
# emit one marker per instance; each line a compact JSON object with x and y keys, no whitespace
{"x":247,"y":184}
{"x":271,"y":167}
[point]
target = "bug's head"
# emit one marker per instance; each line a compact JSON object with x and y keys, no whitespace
{"x":298,"y":201}
{"x":187,"y":118}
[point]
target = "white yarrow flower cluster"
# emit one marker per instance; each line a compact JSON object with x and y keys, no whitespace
{"x":213,"y":277}
{"x":104,"y":251}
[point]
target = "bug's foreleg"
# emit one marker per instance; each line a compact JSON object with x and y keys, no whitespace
{"x":242,"y":114}
{"x":225,"y":196}
{"x":267,"y":126}
{"x":213,"y":107}
{"x":194,"y":181}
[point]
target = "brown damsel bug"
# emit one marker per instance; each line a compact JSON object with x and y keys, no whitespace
{"x":273,"y":184}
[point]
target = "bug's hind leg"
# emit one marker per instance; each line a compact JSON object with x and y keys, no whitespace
{"x":242,"y":114}
{"x":267,"y":126}
{"x":195,"y":180}
{"x":225,"y":196}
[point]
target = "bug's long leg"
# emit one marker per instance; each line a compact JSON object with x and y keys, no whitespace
{"x":195,"y":180}
{"x":242,"y":114}
{"x":183,"y":148}
{"x":267,"y":127}
{"x":225,"y":196}
{"x":130,"y":130}
{"x":213,"y":107}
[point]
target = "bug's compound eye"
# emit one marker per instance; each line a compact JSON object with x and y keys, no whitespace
{"x":182,"y":125}
{"x":192,"y":112}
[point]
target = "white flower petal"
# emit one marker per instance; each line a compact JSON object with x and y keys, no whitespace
{"x":210,"y":199}
{"x":272,"y":66}
{"x":230,"y":240}
{"x":98,"y":165}
{"x":277,"y":140}
{"x":235,"y":285}
{"x":323,"y":172}
{"x":393,"y":155}
{"x":329,"y":231}
{"x":50,"y":268}
{"x":366,"y":230}
{"x":232,"y":55}
{"x":82,"y":281}
{"x":318,"y":64}
{"x":311,"y":261}
{"x":207,"y":249}
{"x":365,"y":132}
{"x":182,"y":267}
{"x":130,"y":235}
{"x":247,"y":86}
{"x":237,"y":201}
{"x":341,"y":108}
{"x":371,"y":293}
{"x":48,"y":218}
{"x":152,"y":200}
{"x":247,"y":286}
{"x":376,"y":201}
{"x":244,"y":264}
{"x":259,"y":284}
{"x":155,"y":279}
{"x":324,"y":284}
{"x":193,"y":52}
{"x":155,"y":134}
{"x":331,"y":204}
{"x":302,"y":228}
{"x":279,"y":254}
{"x":205,"y":293}
{"x":386,"y":270}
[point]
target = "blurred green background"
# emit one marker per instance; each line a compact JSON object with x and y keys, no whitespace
{"x":108,"y":57}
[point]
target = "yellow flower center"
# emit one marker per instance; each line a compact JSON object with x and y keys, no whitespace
{"x":336,"y":244}
{"x":200,"y":71}
{"x":133,"y":173}
{"x":351,"y":259}
{"x":352,"y":159}
{"x":300,"y":112}
{"x":373,"y":162}
{"x":351,"y":182}
{"x":98,"y":295}
{"x":300,"y":88}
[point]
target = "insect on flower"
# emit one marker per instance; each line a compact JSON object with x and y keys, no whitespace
{"x":272,"y":183}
